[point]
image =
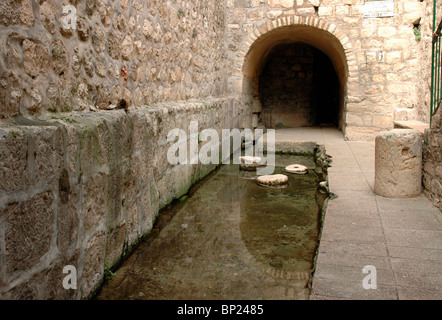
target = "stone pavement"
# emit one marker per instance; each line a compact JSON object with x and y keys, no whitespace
{"x":401,"y":238}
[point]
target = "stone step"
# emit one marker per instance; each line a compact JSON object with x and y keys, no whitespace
{"x":412,"y":124}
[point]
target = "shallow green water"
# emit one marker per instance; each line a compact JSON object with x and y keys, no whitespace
{"x":231,"y":239}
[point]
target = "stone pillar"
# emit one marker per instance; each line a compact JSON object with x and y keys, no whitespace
{"x":398,"y":164}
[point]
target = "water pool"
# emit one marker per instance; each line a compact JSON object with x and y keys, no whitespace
{"x":230,"y":239}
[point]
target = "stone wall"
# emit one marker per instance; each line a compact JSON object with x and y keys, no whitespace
{"x":425,"y":56}
{"x":383,"y":66}
{"x":432,"y":157}
{"x":142,"y":52}
{"x":81,"y":179}
{"x":433,"y":161}
{"x":82,"y":189}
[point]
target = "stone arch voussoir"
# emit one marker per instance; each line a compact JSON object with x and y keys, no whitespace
{"x":293,"y":20}
{"x":347,"y":57}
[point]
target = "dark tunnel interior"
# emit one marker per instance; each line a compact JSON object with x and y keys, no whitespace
{"x":299,"y":87}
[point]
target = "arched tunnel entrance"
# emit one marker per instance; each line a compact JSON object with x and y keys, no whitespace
{"x":297,"y":76}
{"x":298,"y":87}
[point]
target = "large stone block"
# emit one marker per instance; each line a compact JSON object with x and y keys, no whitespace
{"x":54,"y":276}
{"x":398,"y":164}
{"x":35,"y":58}
{"x":325,"y":11}
{"x":354,"y":133}
{"x":183,"y":179}
{"x":382,"y":121}
{"x":93,"y":263}
{"x":116,"y":242}
{"x":47,"y":152}
{"x":94,"y":201}
{"x":342,"y":10}
{"x":48,"y":11}
{"x":13,"y":159}
{"x":17,"y":12}
{"x":148,"y":207}
{"x":104,"y":147}
{"x":29,"y":232}
{"x":387,"y":32}
{"x":67,"y":226}
{"x":359,"y":119}
{"x":73,"y":150}
{"x":133,"y":223}
{"x":26,"y":290}
{"x":281,"y":3}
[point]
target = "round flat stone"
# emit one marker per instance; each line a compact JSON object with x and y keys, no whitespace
{"x":296,"y":168}
{"x":274,"y":180}
{"x":247,"y":160}
{"x":250,"y":163}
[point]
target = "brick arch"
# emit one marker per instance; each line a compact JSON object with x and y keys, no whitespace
{"x":314,"y":31}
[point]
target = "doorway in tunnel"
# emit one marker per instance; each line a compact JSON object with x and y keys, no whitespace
{"x":298,"y":87}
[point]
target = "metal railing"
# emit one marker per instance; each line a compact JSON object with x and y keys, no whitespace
{"x":436,"y":68}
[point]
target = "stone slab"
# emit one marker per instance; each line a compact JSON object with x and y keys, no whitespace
{"x":344,"y":289}
{"x":413,"y":293}
{"x":351,"y":273}
{"x":399,"y":235}
{"x":412,"y":124}
{"x":420,"y":254}
{"x":353,"y":260}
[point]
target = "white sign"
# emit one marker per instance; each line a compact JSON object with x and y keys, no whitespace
{"x":379,"y":9}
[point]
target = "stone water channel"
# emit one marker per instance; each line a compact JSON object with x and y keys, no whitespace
{"x":230,"y":239}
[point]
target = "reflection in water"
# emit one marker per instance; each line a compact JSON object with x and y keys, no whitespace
{"x":232,"y":239}
{"x":280,"y":226}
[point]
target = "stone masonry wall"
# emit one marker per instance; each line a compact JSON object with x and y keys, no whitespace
{"x":139,"y":51}
{"x":432,"y":156}
{"x":425,"y":56}
{"x":387,"y":64}
{"x":81,"y":189}
{"x":81,"y":184}
{"x":433,"y":162}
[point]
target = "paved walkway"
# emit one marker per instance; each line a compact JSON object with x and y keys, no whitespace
{"x":402,"y":238}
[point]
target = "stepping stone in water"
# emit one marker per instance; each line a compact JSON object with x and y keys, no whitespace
{"x":250,"y":163}
{"x":296,"y":169}
{"x":275,"y":180}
